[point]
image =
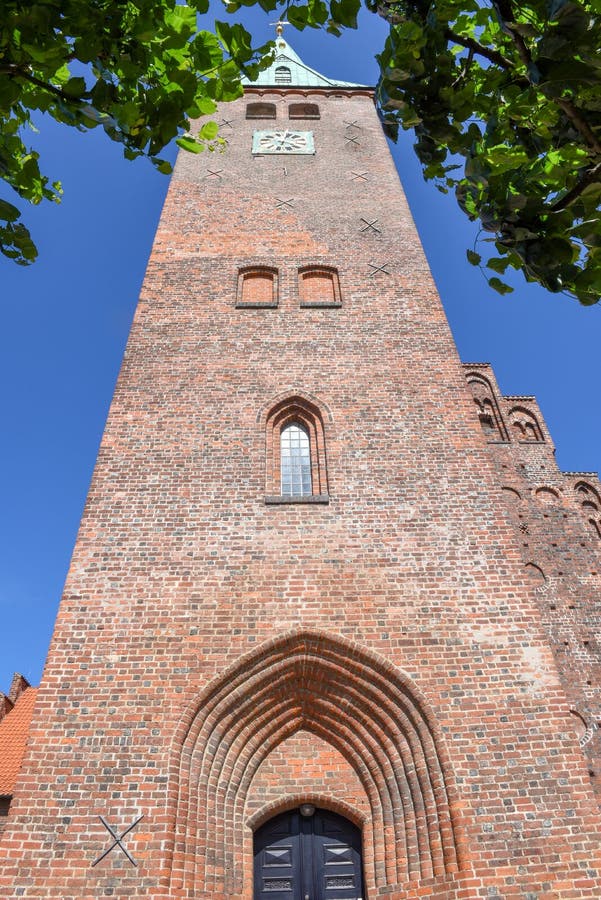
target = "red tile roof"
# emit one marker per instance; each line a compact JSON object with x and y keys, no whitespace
{"x":14,"y":730}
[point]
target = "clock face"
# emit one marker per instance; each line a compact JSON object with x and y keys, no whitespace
{"x":283,"y":142}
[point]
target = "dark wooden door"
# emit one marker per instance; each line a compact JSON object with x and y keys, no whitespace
{"x":314,"y":857}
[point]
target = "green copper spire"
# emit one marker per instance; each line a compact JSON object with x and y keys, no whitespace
{"x":289,"y":69}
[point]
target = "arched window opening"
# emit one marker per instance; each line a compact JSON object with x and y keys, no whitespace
{"x":295,"y":469}
{"x":489,"y":414}
{"x":525,"y":425}
{"x":261,"y":111}
{"x":283,"y":75}
{"x":295,"y":459}
{"x":590,"y":502}
{"x":303,"y":111}
{"x":319,"y":286}
{"x":257,"y":287}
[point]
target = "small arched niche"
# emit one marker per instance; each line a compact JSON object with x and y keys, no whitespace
{"x":261,"y":110}
{"x":547,"y":495}
{"x":535,"y":573}
{"x":524,"y":425}
{"x":590,"y":504}
{"x":511,"y":495}
{"x":489,"y":414}
{"x":303,"y":111}
{"x":257,"y":287}
{"x":579,"y":724}
{"x":319,"y":286}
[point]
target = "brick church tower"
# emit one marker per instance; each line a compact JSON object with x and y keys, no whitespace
{"x":301,"y":654}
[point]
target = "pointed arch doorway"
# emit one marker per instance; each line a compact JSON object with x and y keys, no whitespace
{"x":308,"y":854}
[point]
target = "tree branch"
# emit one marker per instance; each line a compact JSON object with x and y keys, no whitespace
{"x":465,"y":69}
{"x":589,"y":177}
{"x":579,"y":122}
{"x":505,"y":12}
{"x":17,"y":72}
{"x":470,"y":44}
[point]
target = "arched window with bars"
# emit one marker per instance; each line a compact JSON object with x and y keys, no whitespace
{"x":295,"y":469}
{"x":295,"y":461}
{"x":283,"y":75}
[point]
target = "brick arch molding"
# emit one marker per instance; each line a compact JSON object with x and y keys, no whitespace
{"x":292,"y":394}
{"x":292,"y":801}
{"x":478,"y":380}
{"x":366,"y":708}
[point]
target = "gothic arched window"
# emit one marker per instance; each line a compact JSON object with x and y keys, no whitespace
{"x":296,"y":455}
{"x":283,"y":75}
{"x":295,"y":461}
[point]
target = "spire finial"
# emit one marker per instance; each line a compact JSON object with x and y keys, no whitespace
{"x":279,"y":26}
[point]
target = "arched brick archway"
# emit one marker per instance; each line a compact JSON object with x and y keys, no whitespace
{"x":364,"y":707}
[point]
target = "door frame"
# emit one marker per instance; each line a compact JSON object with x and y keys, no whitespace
{"x":285,"y":804}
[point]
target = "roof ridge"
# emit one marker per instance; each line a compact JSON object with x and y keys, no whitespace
{"x":17,"y":686}
{"x":14,"y":734}
{"x":6,"y":704}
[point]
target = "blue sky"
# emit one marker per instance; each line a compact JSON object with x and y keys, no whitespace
{"x":66,"y":319}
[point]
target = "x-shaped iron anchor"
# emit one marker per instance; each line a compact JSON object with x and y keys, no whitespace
{"x":117,"y":838}
{"x":359,"y":176}
{"x":226,"y":123}
{"x":280,"y":203}
{"x":352,"y":140}
{"x":377,"y":269}
{"x":215,"y":172}
{"x":371,"y":226}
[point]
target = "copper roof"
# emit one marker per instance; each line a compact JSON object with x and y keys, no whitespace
{"x":298,"y":74}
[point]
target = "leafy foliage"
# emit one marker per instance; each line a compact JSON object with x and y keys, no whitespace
{"x":505,"y":100}
{"x":504,"y":97}
{"x":140,"y":69}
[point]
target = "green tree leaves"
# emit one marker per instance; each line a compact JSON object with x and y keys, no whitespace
{"x":503,"y":97}
{"x":140,"y":70}
{"x":510,"y":90}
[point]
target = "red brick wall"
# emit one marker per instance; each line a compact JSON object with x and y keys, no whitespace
{"x":203,"y":632}
{"x":312,"y":768}
{"x":551,"y":512}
